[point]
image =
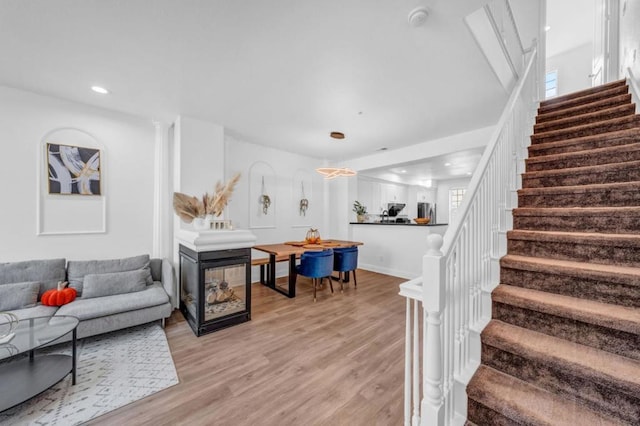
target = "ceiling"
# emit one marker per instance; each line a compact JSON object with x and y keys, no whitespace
{"x":282,"y":73}
{"x":455,"y":165}
{"x":572,"y":24}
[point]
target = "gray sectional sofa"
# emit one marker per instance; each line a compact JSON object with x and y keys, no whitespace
{"x":112,"y":294}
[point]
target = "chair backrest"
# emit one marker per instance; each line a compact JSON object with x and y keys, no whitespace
{"x":345,"y":259}
{"x":316,"y":264}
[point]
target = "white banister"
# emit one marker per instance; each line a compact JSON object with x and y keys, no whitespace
{"x":459,"y":270}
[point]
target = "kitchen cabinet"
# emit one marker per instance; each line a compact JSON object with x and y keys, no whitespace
{"x":393,"y":193}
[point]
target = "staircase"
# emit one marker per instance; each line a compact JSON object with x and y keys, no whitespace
{"x":563,"y":347}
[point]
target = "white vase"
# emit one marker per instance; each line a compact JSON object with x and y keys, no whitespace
{"x":200,"y":224}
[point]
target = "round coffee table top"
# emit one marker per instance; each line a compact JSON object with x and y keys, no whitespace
{"x":31,"y":333}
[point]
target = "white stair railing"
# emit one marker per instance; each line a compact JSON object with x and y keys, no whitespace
{"x":461,"y":269}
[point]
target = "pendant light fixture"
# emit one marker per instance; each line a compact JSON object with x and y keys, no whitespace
{"x":334,"y":172}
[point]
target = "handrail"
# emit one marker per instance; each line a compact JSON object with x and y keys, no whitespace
{"x":455,"y":227}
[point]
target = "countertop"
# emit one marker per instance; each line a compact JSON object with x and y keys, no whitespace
{"x":397,"y":224}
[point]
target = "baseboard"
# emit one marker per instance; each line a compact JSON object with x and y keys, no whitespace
{"x":387,"y":271}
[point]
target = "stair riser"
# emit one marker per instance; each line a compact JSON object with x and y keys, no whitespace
{"x":585,"y":109}
{"x":618,"y":174}
{"x":590,"y":252}
{"x":606,"y":339}
{"x":624,"y":124}
{"x":589,"y":158}
{"x":579,"y":120}
{"x":577,"y":223}
{"x":582,"y":145}
{"x":481,"y":415}
{"x":596,"y":395}
{"x":598,"y":289}
{"x":626,"y":197}
{"x":546,"y":108}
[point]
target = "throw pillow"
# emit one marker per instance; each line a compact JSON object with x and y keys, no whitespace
{"x":98,"y":285}
{"x":19,"y":295}
{"x":77,"y":270}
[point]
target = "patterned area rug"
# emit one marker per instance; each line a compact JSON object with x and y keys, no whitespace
{"x":113,"y":370}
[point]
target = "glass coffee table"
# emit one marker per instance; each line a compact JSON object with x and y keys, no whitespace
{"x":26,"y":377}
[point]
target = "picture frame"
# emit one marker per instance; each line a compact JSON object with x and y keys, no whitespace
{"x":73,"y":170}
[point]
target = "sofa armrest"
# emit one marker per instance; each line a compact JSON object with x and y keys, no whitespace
{"x":169,"y":282}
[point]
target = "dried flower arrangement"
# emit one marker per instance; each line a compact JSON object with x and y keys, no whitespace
{"x":188,"y":207}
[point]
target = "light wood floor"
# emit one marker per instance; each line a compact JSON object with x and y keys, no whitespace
{"x":338,"y":361}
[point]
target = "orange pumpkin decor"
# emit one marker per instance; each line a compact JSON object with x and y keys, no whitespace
{"x":313,"y":236}
{"x":60,"y":296}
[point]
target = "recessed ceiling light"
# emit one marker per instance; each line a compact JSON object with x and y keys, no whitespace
{"x":469,"y":173}
{"x":447,"y":164}
{"x":547,"y":28}
{"x":100,"y":90}
{"x":337,"y":135}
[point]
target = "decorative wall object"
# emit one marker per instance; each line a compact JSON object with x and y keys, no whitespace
{"x":263,"y":187}
{"x":302,"y":199}
{"x":73,"y":170}
{"x":201,"y":211}
{"x":72,"y":162}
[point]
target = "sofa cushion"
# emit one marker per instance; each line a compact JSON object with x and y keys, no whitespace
{"x":36,"y":311}
{"x":19,"y":295}
{"x":98,"y":285}
{"x":77,"y":269}
{"x":96,"y":307}
{"x":46,"y":271}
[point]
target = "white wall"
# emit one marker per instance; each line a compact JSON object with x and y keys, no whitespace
{"x":240,"y":156}
{"x":574,"y":67}
{"x":25,"y":118}
{"x":630,"y":41}
{"x":442,"y":197}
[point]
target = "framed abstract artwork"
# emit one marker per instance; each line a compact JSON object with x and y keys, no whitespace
{"x":73,"y":170}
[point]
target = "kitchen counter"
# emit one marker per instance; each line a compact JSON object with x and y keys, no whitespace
{"x":393,"y":248}
{"x":397,"y":224}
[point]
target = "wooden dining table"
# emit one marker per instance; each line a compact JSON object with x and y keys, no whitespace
{"x":293,"y":249}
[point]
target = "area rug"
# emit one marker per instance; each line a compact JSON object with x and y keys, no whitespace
{"x":113,"y":370}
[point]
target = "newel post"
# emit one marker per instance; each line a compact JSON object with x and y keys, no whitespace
{"x":433,"y":288}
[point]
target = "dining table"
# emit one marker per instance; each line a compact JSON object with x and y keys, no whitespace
{"x":292,"y":250}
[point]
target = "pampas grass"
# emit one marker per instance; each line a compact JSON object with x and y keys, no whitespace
{"x":188,"y":207}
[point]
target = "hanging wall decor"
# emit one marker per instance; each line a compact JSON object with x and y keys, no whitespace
{"x":304,"y":203}
{"x":73,"y":170}
{"x":263,"y":195}
{"x":265,"y":200}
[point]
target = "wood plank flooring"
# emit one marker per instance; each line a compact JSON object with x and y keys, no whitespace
{"x":338,"y":361}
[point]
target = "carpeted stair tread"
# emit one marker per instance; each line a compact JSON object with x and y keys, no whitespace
{"x":613,"y":371}
{"x":560,"y":104}
{"x":584,"y":92}
{"x":585,"y":175}
{"x":600,"y":194}
{"x":583,"y":109}
{"x":612,"y":220}
{"x":588,"y":311}
{"x":611,"y":273}
{"x":524,"y":404}
{"x":620,"y":137}
{"x":592,"y":157}
{"x":614,"y":124}
{"x":589,"y":117}
{"x":619,"y":240}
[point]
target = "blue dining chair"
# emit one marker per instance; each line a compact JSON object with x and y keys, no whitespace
{"x":316,"y":265}
{"x":345,"y":260}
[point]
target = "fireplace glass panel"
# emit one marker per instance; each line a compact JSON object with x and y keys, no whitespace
{"x":224,"y":291}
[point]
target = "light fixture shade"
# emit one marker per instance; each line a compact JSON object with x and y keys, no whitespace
{"x":334,"y":172}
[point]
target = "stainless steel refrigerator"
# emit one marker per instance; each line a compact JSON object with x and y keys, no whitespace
{"x":427,"y":210}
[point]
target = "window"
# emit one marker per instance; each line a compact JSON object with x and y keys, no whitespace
{"x":455,"y":199}
{"x":551,"y":84}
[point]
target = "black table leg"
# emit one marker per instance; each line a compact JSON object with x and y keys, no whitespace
{"x":292,"y":275}
{"x":272,"y":271}
{"x":73,"y":359}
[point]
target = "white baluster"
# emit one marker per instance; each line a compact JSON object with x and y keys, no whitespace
{"x":432,"y":302}
{"x":415,"y":421}
{"x":407,"y":366}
